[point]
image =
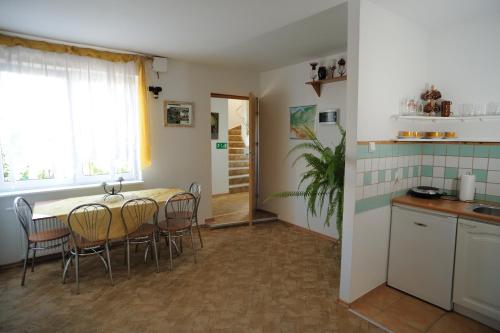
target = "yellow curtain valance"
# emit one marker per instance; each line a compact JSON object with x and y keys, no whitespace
{"x":145,"y":139}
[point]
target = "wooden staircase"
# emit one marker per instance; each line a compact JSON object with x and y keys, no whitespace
{"x":238,"y":162}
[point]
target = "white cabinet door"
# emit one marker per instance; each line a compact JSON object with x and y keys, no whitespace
{"x":421,"y":254}
{"x":477,"y":268}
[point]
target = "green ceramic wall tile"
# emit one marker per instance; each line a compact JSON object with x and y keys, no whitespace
{"x":426,"y":171}
{"x":452,"y":150}
{"x":440,"y":149}
{"x":417,"y":149}
{"x":378,"y":201}
{"x":492,"y":198}
{"x":385,"y":150}
{"x":494,"y":151}
{"x":381,"y":176}
{"x":415,"y":171}
{"x":367,"y":178}
{"x":481,"y":175}
{"x":481,"y":151}
{"x":393,"y":173}
{"x":362,"y":151}
{"x":405,"y":172}
{"x":480,"y":196}
{"x":395,"y":150}
{"x":427,"y":149}
{"x":466,"y":150}
{"x":450,"y":173}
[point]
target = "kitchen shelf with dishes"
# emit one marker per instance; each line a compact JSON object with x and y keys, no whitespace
{"x":446,"y":119}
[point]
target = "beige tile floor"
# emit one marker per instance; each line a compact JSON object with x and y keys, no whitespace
{"x":265,"y":278}
{"x":402,"y":313}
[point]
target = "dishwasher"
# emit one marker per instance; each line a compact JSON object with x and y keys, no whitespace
{"x":422,"y":254}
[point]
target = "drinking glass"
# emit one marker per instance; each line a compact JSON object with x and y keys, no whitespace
{"x":467,"y":110}
{"x":479,"y":110}
{"x":493,"y":109}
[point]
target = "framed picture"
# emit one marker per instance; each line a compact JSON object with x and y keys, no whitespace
{"x":214,"y":125}
{"x":180,"y":114}
{"x":301,"y":117}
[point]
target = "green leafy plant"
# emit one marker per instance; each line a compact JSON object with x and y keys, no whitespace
{"x":324,"y":177}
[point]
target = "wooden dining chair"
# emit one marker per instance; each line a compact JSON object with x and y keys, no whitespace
{"x":179,"y":214}
{"x":135,"y":216}
{"x":89,"y":225}
{"x":195,"y":189}
{"x":39,"y":235}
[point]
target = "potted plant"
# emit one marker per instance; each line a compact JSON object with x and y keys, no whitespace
{"x":323,"y":178}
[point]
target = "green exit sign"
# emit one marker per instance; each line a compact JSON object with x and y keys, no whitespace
{"x":221,"y":145}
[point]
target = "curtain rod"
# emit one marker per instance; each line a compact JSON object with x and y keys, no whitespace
{"x":49,"y":40}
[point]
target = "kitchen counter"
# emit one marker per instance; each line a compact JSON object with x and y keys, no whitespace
{"x":459,"y":208}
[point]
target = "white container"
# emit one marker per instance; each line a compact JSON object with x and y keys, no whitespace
{"x":467,"y":187}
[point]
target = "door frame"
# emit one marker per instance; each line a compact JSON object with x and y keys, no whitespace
{"x":253,"y":150}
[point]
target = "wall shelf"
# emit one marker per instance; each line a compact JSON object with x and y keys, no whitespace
{"x":318,"y":83}
{"x":446,"y":119}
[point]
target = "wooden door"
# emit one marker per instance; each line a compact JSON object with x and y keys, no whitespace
{"x":252,"y":117}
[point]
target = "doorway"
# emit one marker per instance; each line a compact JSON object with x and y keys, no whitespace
{"x":230,"y":140}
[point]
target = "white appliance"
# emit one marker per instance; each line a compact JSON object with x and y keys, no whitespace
{"x":421,"y":254}
{"x":476,"y":292}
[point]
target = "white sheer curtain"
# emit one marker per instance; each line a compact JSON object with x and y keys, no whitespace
{"x":66,"y":119}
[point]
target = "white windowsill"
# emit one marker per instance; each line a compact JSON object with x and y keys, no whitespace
{"x":62,"y":188}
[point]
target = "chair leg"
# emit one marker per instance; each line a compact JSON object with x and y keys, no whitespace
{"x":128,"y":258}
{"x":77,"y":264}
{"x":62,"y":254}
{"x":156,"y":254}
{"x":170,"y":250}
{"x":70,"y":260}
{"x":109,"y":263}
{"x":25,"y":264}
{"x":33,"y":260}
{"x":192,"y":244}
{"x":199,"y":232}
{"x":125,"y":251}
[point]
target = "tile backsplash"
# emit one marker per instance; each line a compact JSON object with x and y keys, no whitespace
{"x":393,"y":168}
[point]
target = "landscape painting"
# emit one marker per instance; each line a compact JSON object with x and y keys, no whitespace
{"x":301,"y":117}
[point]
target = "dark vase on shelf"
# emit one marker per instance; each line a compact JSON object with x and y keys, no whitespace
{"x":322,"y":72}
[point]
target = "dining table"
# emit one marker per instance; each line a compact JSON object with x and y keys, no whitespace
{"x":60,"y":209}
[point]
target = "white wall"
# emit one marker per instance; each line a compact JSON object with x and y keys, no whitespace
{"x":238,"y":116}
{"x":464,"y":63}
{"x":220,"y":166}
{"x":280,"y":89}
{"x":180,"y":155}
{"x":392,"y":63}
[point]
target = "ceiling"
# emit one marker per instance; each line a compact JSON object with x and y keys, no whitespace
{"x":434,"y":14}
{"x":257,"y":34}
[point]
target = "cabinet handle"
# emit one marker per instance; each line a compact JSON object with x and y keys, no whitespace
{"x":420,"y":224}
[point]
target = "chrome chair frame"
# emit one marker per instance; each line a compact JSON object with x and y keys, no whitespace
{"x":90,"y":221}
{"x":24,"y":214}
{"x":195,"y":189}
{"x":138,"y":210}
{"x":174,"y":208}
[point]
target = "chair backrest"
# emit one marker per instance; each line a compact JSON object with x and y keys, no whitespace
{"x":181,"y":206}
{"x":24,"y":215}
{"x":195,"y":189}
{"x":136,"y":212}
{"x":90,"y":222}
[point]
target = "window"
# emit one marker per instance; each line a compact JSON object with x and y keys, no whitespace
{"x":66,"y":120}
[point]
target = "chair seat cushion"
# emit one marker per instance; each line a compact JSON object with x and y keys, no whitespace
{"x":143,"y":231}
{"x":174,"y":225}
{"x":49,"y":235}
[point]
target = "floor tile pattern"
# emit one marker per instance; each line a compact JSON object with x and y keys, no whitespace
{"x":265,"y":278}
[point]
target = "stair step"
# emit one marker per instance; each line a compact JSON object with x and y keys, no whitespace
{"x":236,"y":151}
{"x":239,"y":180}
{"x":238,"y":189}
{"x":236,"y":138}
{"x":238,"y":157}
{"x":238,"y":172}
{"x":238,"y":164}
{"x":233,"y":144}
{"x":235,"y":131}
